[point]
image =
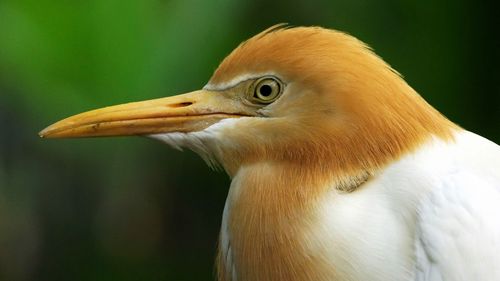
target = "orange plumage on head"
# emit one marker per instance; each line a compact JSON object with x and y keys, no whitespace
{"x":345,"y":97}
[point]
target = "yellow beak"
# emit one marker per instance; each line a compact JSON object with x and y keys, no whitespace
{"x":183,"y":113}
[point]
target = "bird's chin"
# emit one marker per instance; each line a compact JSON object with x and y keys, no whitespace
{"x":209,"y":143}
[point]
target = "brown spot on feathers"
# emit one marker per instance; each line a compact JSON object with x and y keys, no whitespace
{"x":345,"y":114}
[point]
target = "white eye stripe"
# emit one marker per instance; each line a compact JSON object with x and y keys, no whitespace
{"x":235,"y":81}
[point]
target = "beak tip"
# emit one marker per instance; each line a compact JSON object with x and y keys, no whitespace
{"x":45,"y":133}
{"x":42,"y":134}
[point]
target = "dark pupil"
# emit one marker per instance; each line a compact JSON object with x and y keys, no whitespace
{"x":265,"y":90}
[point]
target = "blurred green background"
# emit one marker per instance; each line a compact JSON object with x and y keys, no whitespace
{"x":131,"y":208}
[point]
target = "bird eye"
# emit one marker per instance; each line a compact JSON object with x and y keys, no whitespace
{"x":267,"y":90}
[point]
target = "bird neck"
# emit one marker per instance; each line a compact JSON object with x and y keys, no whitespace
{"x":272,"y":203}
{"x":268,"y":208}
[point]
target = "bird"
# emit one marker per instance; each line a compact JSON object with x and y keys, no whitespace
{"x":339,"y":169}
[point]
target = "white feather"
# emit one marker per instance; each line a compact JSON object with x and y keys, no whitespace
{"x":459,"y":221}
{"x":206,"y":143}
{"x":433,"y":215}
{"x":235,"y":81}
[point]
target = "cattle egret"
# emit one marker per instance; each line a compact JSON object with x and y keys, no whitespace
{"x":340,"y":170}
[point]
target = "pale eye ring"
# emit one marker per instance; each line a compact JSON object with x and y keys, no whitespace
{"x":267,"y":89}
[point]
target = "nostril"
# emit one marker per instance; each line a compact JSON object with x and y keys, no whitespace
{"x":188,"y":103}
{"x":181,"y":104}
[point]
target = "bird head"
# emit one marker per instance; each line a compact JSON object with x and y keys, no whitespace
{"x":304,"y":96}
